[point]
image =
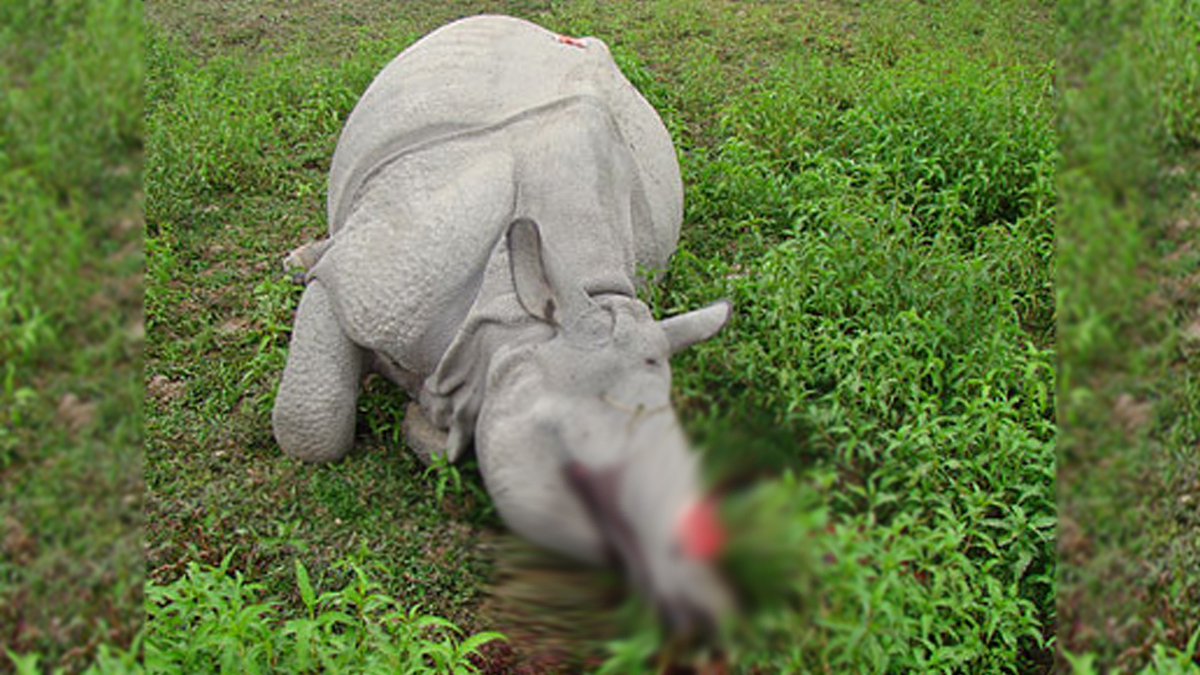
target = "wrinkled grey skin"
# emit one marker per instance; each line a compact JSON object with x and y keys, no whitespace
{"x":492,"y":198}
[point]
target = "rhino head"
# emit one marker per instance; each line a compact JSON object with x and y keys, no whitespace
{"x":581,"y":449}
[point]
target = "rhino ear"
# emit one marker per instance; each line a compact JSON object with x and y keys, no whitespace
{"x":538,"y":288}
{"x":697,"y":325}
{"x":530,"y":278}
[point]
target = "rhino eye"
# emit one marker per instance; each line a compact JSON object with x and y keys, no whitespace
{"x":651,"y":361}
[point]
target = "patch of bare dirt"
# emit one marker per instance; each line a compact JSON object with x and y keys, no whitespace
{"x":17,"y":545}
{"x":1131,"y":414}
{"x":163,"y":389}
{"x":75,"y":413}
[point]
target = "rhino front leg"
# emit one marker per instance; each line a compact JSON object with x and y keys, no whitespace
{"x":315,"y":406}
{"x":425,"y":440}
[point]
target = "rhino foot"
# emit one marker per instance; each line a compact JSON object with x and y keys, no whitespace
{"x":424,"y":439}
{"x":301,"y":260}
{"x":315,"y":405}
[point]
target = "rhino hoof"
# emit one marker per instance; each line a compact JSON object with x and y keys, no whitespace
{"x":424,"y":439}
{"x":301,"y":260}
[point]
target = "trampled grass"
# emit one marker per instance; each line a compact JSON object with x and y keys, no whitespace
{"x":871,"y":184}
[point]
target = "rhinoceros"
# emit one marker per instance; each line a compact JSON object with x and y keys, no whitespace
{"x":496,"y":199}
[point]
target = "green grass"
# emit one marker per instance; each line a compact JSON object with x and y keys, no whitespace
{"x":211,"y":620}
{"x":70,"y":333}
{"x":872,"y":184}
{"x":1128,"y":467}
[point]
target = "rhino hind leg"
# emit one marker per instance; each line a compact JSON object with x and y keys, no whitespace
{"x":315,"y":406}
{"x":422,"y":437}
{"x":302,"y":259}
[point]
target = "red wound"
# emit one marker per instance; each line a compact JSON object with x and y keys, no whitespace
{"x":700,"y":533}
{"x":574,"y":42}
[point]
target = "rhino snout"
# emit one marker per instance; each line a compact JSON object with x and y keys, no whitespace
{"x":683,"y":618}
{"x":674,"y":570}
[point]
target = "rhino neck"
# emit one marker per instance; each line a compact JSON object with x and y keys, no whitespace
{"x":453,"y":394}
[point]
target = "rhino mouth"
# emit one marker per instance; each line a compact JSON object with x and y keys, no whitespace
{"x":597,"y":489}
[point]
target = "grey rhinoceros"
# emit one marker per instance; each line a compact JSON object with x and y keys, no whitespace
{"x":495,"y":200}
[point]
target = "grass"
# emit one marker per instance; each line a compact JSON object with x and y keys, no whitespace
{"x":1130,"y":572}
{"x":210,"y":619}
{"x":71,"y":334}
{"x":872,"y":184}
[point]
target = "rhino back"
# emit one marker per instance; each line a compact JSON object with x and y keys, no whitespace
{"x":480,"y":71}
{"x":424,"y":243}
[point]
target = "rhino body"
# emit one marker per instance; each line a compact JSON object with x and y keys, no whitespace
{"x":494,"y":199}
